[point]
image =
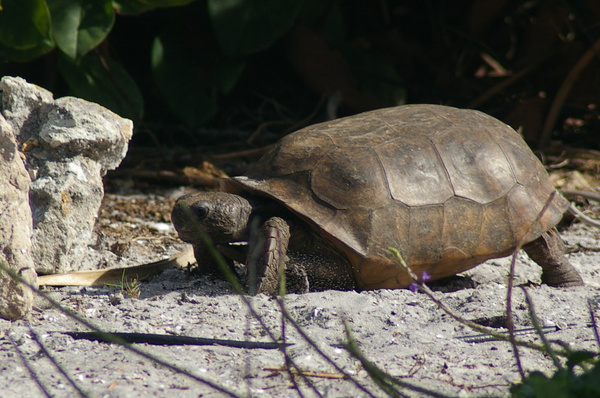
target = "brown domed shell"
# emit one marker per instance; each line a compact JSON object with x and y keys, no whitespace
{"x":448,"y":188}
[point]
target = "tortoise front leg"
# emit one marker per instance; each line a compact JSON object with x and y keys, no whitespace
{"x":207,"y":264}
{"x":549,"y":252}
{"x":267,"y":256}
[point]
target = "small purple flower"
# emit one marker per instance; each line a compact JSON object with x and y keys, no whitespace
{"x":425,"y":276}
{"x":414,"y":287}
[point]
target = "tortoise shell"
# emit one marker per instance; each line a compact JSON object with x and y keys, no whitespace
{"x":449,"y":188}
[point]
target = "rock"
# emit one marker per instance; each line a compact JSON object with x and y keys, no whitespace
{"x":53,"y":154}
{"x":21,"y":105}
{"x":74,"y":147}
{"x":68,"y":145}
{"x":15,"y":228}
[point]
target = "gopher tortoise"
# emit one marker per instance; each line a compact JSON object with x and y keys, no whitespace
{"x":448,"y":188}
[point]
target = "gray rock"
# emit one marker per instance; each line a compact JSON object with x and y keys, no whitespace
{"x":22,"y":104}
{"x":15,"y":228}
{"x":76,"y":144}
{"x":68,"y":144}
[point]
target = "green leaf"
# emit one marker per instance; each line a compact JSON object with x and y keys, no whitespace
{"x":190,"y":85}
{"x":105,"y":82}
{"x":579,"y":357}
{"x":24,"y":30}
{"x":246,"y":26}
{"x":538,"y":385}
{"x":80,"y":25}
{"x":564,"y":383}
{"x":133,"y":7}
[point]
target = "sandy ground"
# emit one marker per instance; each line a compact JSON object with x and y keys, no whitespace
{"x":403,"y":332}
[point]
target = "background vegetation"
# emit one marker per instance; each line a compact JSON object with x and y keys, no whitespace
{"x":178,"y":67}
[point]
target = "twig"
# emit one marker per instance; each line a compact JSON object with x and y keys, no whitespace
{"x":241,"y":154}
{"x":578,"y":214}
{"x":307,"y":373}
{"x":169,"y":176}
{"x":595,"y":196}
{"x":488,"y":94}
{"x":262,"y":127}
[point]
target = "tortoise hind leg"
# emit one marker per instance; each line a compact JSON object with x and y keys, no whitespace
{"x":549,"y":252}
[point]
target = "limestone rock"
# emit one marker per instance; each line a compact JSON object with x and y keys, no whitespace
{"x":21,"y":104}
{"x":76,"y":144}
{"x":68,"y":144}
{"x":15,"y":228}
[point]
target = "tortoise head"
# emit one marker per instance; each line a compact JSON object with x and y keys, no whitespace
{"x":224,"y":217}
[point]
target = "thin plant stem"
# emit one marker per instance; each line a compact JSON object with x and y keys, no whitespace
{"x":56,"y":364}
{"x":385,"y":381}
{"x":115,"y":339}
{"x":232,"y":279}
{"x":482,"y":329}
{"x":509,"y":316}
{"x":538,"y":327}
{"x":288,"y":360}
{"x":32,"y":372}
{"x":510,"y":324}
{"x":314,"y":345}
{"x":594,"y":323}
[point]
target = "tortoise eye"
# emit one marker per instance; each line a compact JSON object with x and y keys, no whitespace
{"x":201,"y":210}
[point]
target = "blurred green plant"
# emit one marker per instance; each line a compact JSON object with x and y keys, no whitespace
{"x":579,"y":377}
{"x":247,"y":26}
{"x":32,"y":28}
{"x":196,"y":56}
{"x":569,"y":382}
